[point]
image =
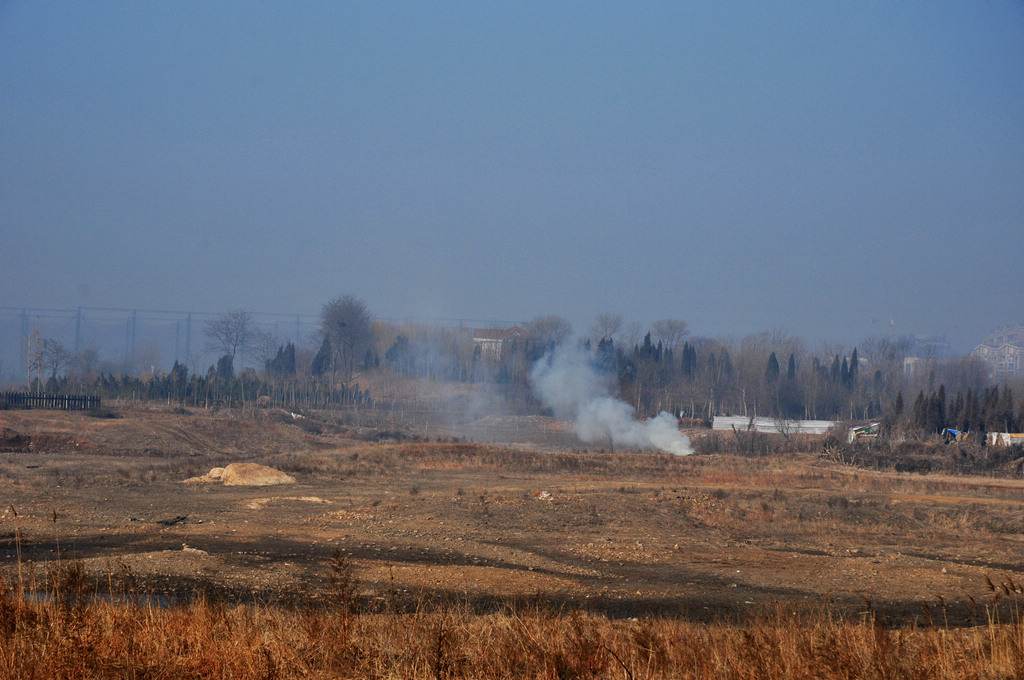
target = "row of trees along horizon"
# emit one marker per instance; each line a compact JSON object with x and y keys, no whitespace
{"x":663,"y":368}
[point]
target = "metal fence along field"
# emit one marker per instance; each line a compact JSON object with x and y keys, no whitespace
{"x":61,"y":402}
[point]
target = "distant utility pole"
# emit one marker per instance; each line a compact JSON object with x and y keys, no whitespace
{"x":33,"y":357}
{"x":24,"y":337}
{"x":78,"y":330}
{"x":129,"y":337}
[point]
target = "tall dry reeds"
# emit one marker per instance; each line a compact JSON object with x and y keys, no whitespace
{"x":43,"y":637}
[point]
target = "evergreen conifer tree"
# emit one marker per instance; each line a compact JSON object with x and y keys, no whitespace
{"x":771,"y":371}
{"x":322,"y":361}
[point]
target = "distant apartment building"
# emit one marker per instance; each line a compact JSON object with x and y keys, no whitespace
{"x":1002,"y":351}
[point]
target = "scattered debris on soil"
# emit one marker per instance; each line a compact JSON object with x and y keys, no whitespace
{"x":707,"y":537}
{"x":11,"y":440}
{"x":260,"y":503}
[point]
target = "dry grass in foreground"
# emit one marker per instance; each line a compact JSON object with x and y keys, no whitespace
{"x":65,"y":635}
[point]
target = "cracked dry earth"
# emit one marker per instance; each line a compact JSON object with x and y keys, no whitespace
{"x":629,"y":534}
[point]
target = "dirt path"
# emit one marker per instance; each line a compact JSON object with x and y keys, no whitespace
{"x":625,"y":534}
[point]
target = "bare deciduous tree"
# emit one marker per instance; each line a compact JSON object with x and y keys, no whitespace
{"x":633,"y":334}
{"x":670,"y":332}
{"x":53,"y":356}
{"x":347,"y":325}
{"x":83,"y":366}
{"x":232,"y":334}
{"x":549,"y":330}
{"x":264,"y":347}
{"x":607,"y":326}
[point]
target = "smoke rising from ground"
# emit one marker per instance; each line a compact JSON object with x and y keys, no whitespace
{"x":566,"y":380}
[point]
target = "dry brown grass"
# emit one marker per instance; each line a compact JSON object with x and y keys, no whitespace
{"x":71,"y":637}
{"x":444,"y":536}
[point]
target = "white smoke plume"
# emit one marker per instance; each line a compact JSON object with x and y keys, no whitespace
{"x":566,"y":380}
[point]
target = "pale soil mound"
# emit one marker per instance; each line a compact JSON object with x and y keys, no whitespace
{"x":244,"y":474}
{"x":251,"y":474}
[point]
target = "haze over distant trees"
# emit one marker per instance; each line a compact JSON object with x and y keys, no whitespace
{"x":662,"y":368}
{"x":232,"y":335}
{"x":347,"y":331}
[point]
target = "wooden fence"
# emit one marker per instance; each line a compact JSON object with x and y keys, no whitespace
{"x":63,"y":402}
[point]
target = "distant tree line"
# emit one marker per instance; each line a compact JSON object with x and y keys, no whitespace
{"x":990,"y":410}
{"x":663,"y":368}
{"x":215,"y":388}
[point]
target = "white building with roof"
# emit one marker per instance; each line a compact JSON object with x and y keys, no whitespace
{"x":490,"y":340}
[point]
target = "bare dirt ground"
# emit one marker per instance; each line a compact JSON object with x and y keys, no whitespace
{"x":629,"y":534}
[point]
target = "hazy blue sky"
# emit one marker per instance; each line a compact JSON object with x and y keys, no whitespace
{"x":815,"y":167}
